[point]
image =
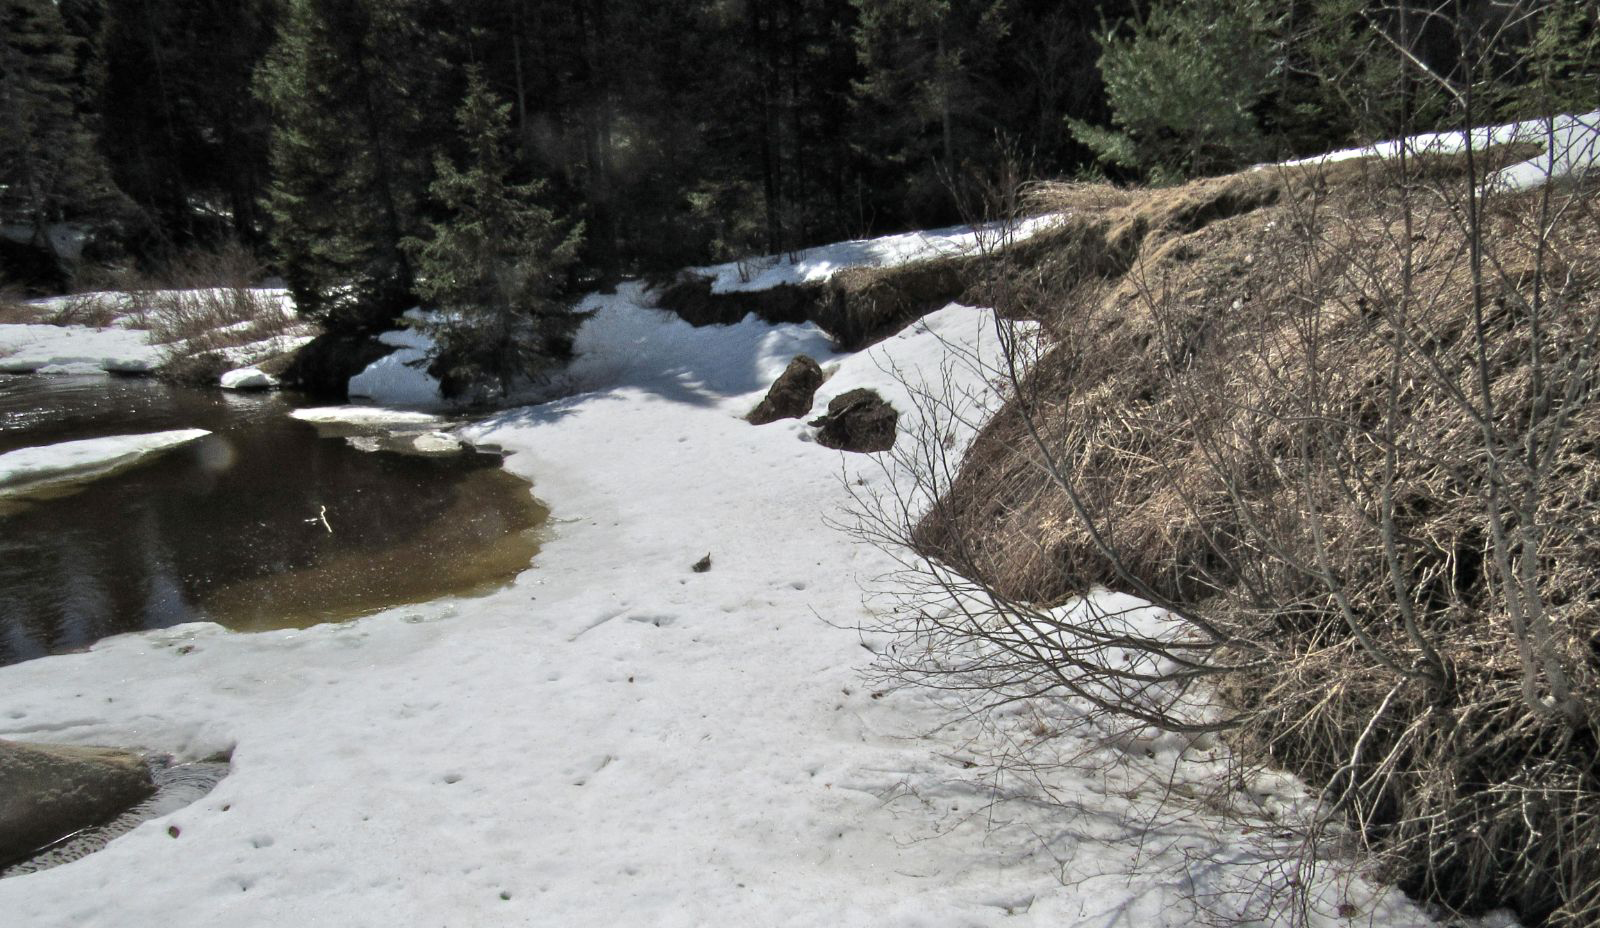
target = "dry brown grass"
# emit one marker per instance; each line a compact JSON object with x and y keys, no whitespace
{"x":1266,"y":391}
{"x":15,"y":308}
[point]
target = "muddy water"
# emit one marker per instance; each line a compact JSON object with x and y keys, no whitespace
{"x":230,"y":528}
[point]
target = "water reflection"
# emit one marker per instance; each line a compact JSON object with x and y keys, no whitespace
{"x":230,"y":528}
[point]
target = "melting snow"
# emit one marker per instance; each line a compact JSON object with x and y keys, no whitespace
{"x":613,"y":739}
{"x":28,"y":470}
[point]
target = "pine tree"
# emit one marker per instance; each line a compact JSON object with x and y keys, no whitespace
{"x":186,"y":137}
{"x":494,"y":267}
{"x":923,"y":102}
{"x":50,"y":170}
{"x":354,"y":89}
{"x":1558,"y":67}
{"x":1185,"y":84}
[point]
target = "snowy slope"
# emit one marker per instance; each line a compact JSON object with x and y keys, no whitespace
{"x":1571,"y":149}
{"x":74,"y":349}
{"x":614,"y":739}
{"x":817,"y":264}
{"x":124,"y":345}
{"x":401,"y":377}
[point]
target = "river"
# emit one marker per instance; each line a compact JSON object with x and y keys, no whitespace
{"x":267,"y":523}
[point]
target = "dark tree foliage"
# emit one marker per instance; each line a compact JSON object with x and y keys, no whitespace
{"x":494,"y":264}
{"x":50,"y":171}
{"x":354,"y":89}
{"x":687,"y":132}
{"x":926,"y":100}
{"x":187,"y":137}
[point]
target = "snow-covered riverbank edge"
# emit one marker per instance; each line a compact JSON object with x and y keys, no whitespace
{"x":613,"y":739}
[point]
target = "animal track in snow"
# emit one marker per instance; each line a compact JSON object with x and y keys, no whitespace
{"x":594,"y":766}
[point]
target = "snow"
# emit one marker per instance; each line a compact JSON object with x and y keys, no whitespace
{"x":66,"y":238}
{"x":366,"y":415}
{"x":248,"y":378}
{"x":400,"y":378}
{"x":28,"y":470}
{"x":124,"y":346}
{"x":74,"y":349}
{"x":818,"y":264}
{"x":253,"y":352}
{"x":1571,"y":149}
{"x":615,"y":739}
{"x":436,"y":443}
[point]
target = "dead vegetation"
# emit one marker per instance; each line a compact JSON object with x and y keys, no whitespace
{"x":1340,"y":420}
{"x":198,"y":310}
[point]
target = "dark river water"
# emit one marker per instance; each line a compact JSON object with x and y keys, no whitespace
{"x":229,"y":528}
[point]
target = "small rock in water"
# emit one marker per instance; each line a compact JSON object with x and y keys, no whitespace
{"x":49,"y":791}
{"x":702,"y":565}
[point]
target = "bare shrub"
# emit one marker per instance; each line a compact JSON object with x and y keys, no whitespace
{"x":96,"y":310}
{"x":204,"y":306}
{"x":1337,"y":423}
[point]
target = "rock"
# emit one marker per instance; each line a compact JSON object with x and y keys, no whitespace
{"x":48,"y":792}
{"x":859,"y":420}
{"x":791,"y":394}
{"x":248,"y":378}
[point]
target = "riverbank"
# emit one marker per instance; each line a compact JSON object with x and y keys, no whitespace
{"x":615,"y":738}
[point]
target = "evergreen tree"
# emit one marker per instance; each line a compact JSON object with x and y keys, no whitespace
{"x":925,"y":101}
{"x":354,"y":89}
{"x":186,"y":138}
{"x":1186,"y":84}
{"x":1558,"y":67}
{"x":50,"y":170}
{"x":494,"y":266}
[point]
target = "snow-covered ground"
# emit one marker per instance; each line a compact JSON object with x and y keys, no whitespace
{"x":817,"y":264}
{"x":1571,"y":149}
{"x":614,"y":739}
{"x":75,"y":349}
{"x":400,"y":378}
{"x":124,"y":346}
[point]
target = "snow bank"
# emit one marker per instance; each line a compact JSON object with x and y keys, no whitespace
{"x":253,"y":352}
{"x":400,"y":378}
{"x":248,"y":378}
{"x":28,"y":470}
{"x":821,"y":263}
{"x":74,"y":349}
{"x":124,"y":346}
{"x":615,"y":738}
{"x":1571,"y":149}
